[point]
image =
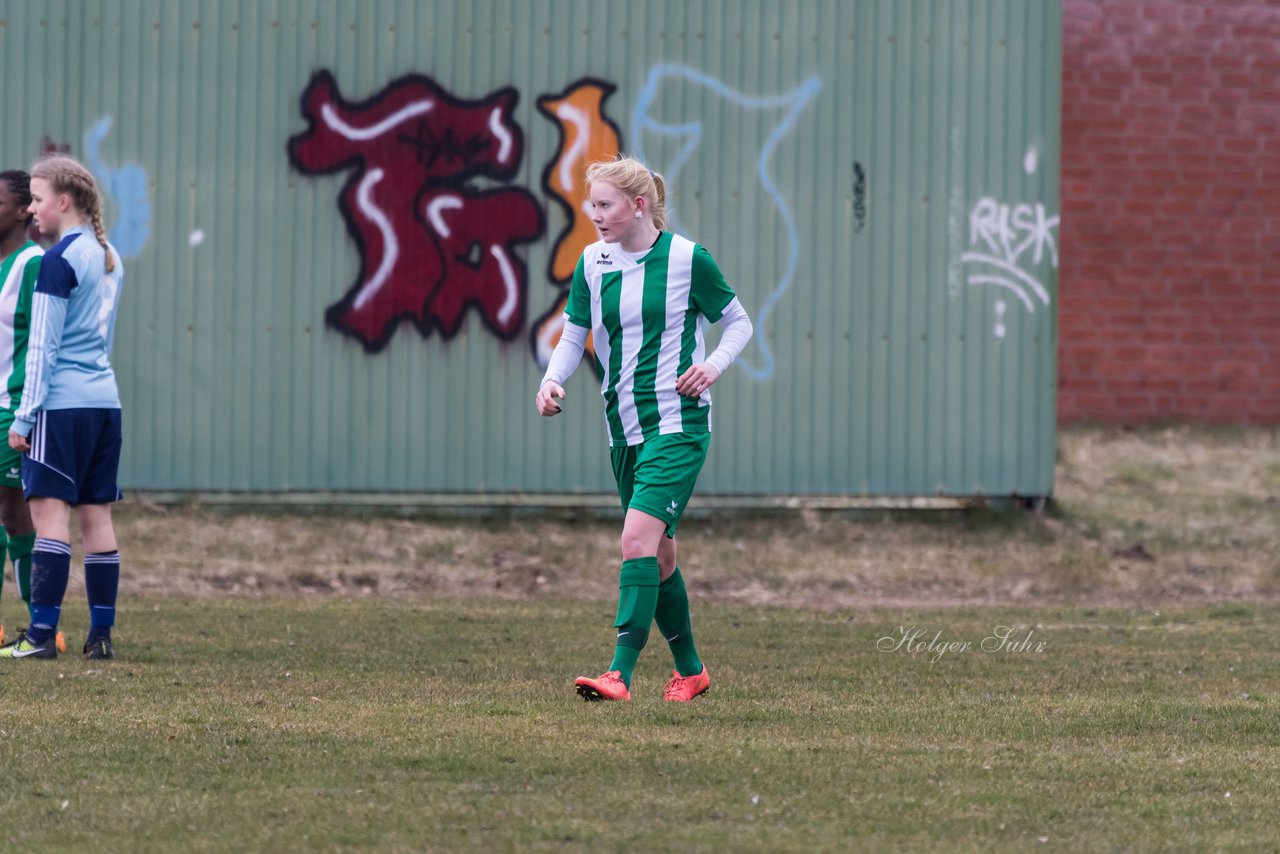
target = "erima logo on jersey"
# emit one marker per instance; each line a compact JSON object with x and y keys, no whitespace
{"x":671,"y":511}
{"x":604,"y":260}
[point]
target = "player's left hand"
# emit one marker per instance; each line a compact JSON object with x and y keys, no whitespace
{"x":19,"y":442}
{"x":697,"y":379}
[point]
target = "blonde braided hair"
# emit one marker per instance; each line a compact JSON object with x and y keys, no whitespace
{"x":67,"y":175}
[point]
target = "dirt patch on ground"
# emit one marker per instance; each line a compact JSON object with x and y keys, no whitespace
{"x":1140,"y":518}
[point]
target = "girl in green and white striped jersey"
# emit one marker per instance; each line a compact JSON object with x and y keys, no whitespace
{"x":19,"y":267}
{"x":644,"y":295}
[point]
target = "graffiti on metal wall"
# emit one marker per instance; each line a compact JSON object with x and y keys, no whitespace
{"x":1008,"y":246}
{"x":432,"y":241}
{"x":859,"y":198}
{"x":586,"y":135}
{"x":126,"y":190}
{"x":659,"y":98}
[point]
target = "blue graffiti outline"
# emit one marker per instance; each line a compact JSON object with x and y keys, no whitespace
{"x":127,"y":187}
{"x":797,"y":99}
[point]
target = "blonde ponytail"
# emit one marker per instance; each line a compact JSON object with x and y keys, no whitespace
{"x":660,"y":201}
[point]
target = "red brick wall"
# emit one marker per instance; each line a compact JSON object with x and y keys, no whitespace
{"x":1169,"y":285}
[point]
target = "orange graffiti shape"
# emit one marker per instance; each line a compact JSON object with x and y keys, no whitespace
{"x":586,"y":135}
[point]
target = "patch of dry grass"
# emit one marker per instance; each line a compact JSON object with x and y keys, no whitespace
{"x":1139,"y":518}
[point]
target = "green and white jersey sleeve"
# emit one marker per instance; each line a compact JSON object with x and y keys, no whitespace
{"x":646,"y":312}
{"x":18,"y":274}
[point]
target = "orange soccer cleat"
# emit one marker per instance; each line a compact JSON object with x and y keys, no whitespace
{"x":606,"y":686}
{"x":682,"y":689}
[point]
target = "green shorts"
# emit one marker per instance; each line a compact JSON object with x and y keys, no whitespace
{"x":10,"y":460}
{"x":657,"y":476}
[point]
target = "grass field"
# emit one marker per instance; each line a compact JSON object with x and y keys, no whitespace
{"x":320,"y":683}
{"x":324,"y":724}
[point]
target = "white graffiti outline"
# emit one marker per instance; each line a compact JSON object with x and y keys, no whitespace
{"x":391,"y":250}
{"x":1015,"y":272}
{"x":992,"y":221}
{"x":434,"y":212}
{"x":795,"y":101}
{"x":505,"y":142}
{"x":333,"y":120}
{"x":582,"y":124}
{"x":1001,"y":281}
{"x":1001,"y":236}
{"x":509,"y":281}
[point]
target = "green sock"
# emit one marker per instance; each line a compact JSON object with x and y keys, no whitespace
{"x":637,"y":599}
{"x":672,"y":615}
{"x":19,"y":550}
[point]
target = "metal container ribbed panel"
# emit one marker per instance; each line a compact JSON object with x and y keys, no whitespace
{"x":877,"y":178}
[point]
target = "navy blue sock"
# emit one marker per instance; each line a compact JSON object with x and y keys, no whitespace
{"x":50,"y":569}
{"x":101,"y":581}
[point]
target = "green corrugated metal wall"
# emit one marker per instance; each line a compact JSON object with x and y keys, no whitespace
{"x":850,"y":163}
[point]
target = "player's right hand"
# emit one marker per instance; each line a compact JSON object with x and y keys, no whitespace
{"x":547,"y":396}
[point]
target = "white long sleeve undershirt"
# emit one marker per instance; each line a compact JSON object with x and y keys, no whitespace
{"x":567,"y":354}
{"x":737,"y":332}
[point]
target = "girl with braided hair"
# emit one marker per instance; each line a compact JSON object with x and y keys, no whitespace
{"x":68,"y":424}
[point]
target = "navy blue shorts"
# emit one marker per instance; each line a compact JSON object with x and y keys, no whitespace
{"x":74,"y":456}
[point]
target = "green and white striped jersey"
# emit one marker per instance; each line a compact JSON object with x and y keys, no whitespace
{"x":18,"y":274}
{"x":646,"y":312}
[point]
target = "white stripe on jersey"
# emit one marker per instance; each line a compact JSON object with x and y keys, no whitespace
{"x":679,"y":281}
{"x":36,"y":366}
{"x":599,"y":342}
{"x":10,"y":291}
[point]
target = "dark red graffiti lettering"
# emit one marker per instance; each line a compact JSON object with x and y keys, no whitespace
{"x":431,"y":243}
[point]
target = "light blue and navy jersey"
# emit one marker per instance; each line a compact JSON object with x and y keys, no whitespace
{"x":73,"y":321}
